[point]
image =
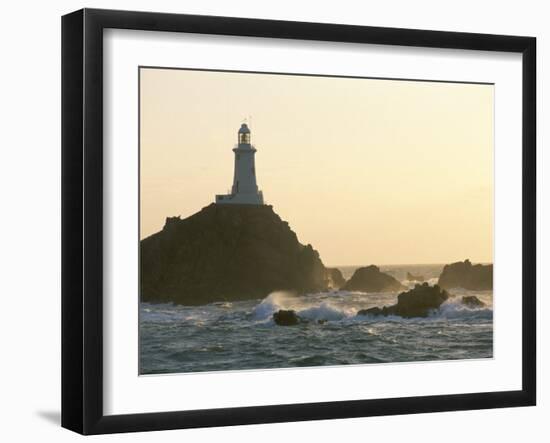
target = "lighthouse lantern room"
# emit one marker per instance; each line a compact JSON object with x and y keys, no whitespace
{"x":245,"y":189}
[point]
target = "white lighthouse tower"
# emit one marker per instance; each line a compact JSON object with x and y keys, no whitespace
{"x":245,"y":189}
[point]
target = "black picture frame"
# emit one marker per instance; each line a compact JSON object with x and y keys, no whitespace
{"x":82,"y":218}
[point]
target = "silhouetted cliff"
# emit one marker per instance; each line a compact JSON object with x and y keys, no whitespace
{"x":227,"y":252}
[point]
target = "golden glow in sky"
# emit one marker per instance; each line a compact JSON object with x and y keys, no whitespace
{"x":367,"y":171}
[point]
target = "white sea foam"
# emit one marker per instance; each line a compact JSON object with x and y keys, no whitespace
{"x":344,"y":307}
{"x":326,"y":311}
{"x":310,"y":307}
{"x":453,"y":309}
{"x":272,"y":303}
{"x":412,"y":283}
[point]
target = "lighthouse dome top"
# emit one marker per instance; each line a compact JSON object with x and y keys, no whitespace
{"x":244,"y":129}
{"x":245,"y":189}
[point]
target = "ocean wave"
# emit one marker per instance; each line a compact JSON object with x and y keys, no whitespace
{"x":272,"y":303}
{"x":326,"y":311}
{"x":410,"y":284}
{"x":316,"y":307}
{"x":332,"y":307}
{"x":168,"y":313}
{"x":308,"y":308}
{"x":454,"y":309}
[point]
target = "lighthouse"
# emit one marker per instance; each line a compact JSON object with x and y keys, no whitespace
{"x":245,"y":189}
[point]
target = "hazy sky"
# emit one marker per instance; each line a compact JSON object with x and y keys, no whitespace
{"x":367,"y":171}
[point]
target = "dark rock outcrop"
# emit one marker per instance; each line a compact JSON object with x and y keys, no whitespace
{"x":224,"y":253}
{"x":412,"y":277}
{"x":370,"y":279}
{"x":471,"y":301}
{"x":417,"y":302}
{"x":467,"y":276}
{"x":335,"y":279}
{"x":286,"y":318}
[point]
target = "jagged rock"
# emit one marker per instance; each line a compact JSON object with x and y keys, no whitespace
{"x":417,"y":302}
{"x":471,"y":301}
{"x":412,"y":277}
{"x":373,"y":311}
{"x":226,"y":253}
{"x":465,"y":275}
{"x":370,"y":279}
{"x":335,"y":278}
{"x":286,"y":318}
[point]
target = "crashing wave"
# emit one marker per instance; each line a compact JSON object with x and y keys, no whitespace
{"x":272,"y":303}
{"x":411,"y":283}
{"x":454,"y":308}
{"x":315,"y":308}
{"x":282,"y":300}
{"x":327,"y":312}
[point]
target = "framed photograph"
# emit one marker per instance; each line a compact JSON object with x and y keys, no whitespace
{"x":268,"y":221}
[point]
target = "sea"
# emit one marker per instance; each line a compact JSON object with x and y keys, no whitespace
{"x":228,"y":336}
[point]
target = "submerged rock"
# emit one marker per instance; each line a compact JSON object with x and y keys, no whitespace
{"x":412,"y":277}
{"x":465,"y":275}
{"x":227,"y":253}
{"x":335,"y":278}
{"x":370,"y":279}
{"x":471,"y":301}
{"x":286,"y":318}
{"x":417,"y":302}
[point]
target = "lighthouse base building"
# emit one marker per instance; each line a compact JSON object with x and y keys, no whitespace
{"x":245,"y":189}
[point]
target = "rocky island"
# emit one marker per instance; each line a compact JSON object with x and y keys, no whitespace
{"x":371,"y":279}
{"x":226,"y":253}
{"x":335,"y":278}
{"x":465,"y":275}
{"x":418,"y":302}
